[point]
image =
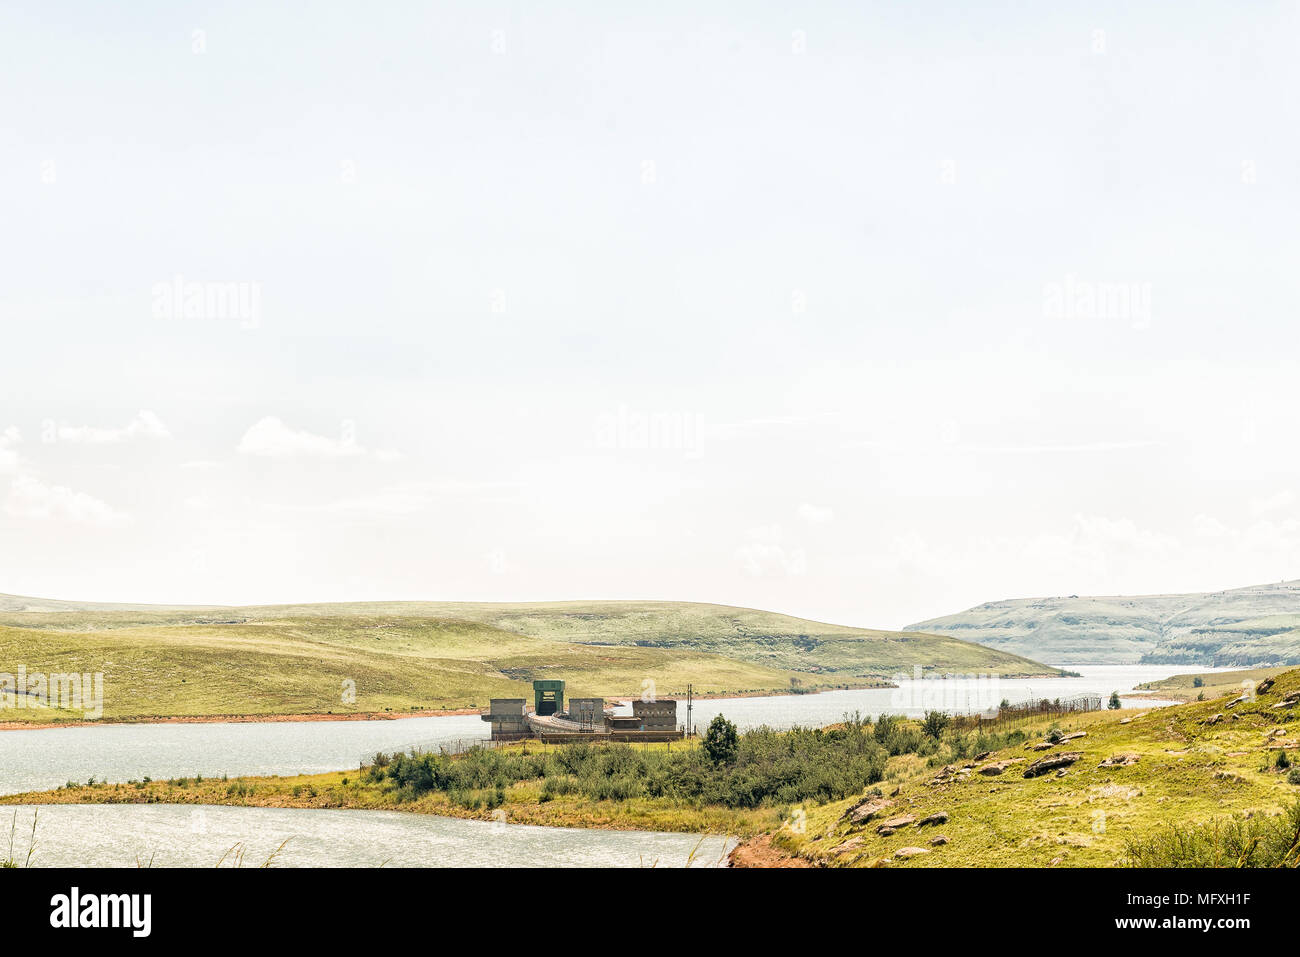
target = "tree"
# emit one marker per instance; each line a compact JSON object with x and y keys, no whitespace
{"x":1114,"y":704}
{"x":721,"y":741}
{"x":934,"y":723}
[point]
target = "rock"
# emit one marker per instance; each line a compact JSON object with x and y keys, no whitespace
{"x":1213,"y":719}
{"x":1071,"y":737}
{"x":1041,"y":746}
{"x":1125,"y":720}
{"x":1053,"y":761}
{"x":939,"y":817}
{"x":1121,"y":760}
{"x":894,"y":823}
{"x":911,"y":851}
{"x":1263,"y":686}
{"x":982,"y":755}
{"x":938,"y":840}
{"x":868,"y":809}
{"x":997,"y":767}
{"x":1062,"y":773}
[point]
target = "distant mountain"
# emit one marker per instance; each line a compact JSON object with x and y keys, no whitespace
{"x":1241,"y":627}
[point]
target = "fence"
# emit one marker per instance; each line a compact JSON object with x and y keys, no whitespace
{"x":1033,"y":708}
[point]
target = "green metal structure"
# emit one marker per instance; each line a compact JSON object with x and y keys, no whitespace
{"x":548,"y":696}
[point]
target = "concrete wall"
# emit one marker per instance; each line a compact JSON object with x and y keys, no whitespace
{"x":588,"y":712}
{"x":506,"y":715}
{"x":656,"y":715}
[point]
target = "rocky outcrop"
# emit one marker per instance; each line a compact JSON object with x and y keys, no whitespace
{"x":906,"y":852}
{"x":939,"y":817}
{"x":864,"y":811}
{"x":1052,"y":762}
{"x":1122,"y":760}
{"x":895,"y":823}
{"x":994,"y":768}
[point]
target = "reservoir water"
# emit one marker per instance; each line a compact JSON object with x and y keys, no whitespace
{"x":169,"y":835}
{"x":49,"y":758}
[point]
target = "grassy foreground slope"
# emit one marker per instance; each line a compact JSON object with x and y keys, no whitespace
{"x":1241,"y":627}
{"x":1133,"y":777}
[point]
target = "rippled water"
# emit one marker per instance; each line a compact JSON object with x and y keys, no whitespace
{"x":48,"y":758}
{"x":168,"y":835}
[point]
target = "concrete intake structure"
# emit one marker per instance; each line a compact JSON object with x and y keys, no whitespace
{"x":585,"y":719}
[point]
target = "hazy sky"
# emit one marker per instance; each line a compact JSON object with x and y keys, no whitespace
{"x":863,"y":312}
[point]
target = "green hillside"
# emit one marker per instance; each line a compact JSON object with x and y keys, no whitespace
{"x":299,"y":666}
{"x":405,"y":656}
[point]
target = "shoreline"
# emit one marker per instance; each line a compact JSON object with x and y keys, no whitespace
{"x":882,"y":684}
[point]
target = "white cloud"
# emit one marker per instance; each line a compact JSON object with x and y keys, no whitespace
{"x":1207,"y":526}
{"x":271,"y":438}
{"x":145,"y":425}
{"x":9,"y":460}
{"x":1271,"y":503}
{"x":31,"y":498}
{"x":815,"y":514}
{"x":765,"y":555}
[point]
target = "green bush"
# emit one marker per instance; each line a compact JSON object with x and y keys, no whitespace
{"x":934,"y":723}
{"x":720,"y":741}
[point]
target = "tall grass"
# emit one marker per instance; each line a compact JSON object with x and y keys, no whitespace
{"x":11,"y":860}
{"x":1257,"y":842}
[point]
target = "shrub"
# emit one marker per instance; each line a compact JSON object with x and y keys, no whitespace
{"x":720,"y":741}
{"x":934,"y":723}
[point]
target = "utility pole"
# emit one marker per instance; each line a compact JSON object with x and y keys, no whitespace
{"x":690,"y":728}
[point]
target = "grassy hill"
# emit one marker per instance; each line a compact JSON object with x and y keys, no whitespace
{"x":1212,"y":684}
{"x":404,"y":656}
{"x":1138,"y":780}
{"x":1243,"y":627}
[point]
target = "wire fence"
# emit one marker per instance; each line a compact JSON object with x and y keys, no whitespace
{"x":1031,"y":709}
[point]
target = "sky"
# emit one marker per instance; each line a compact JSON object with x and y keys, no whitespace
{"x":866,"y":313}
